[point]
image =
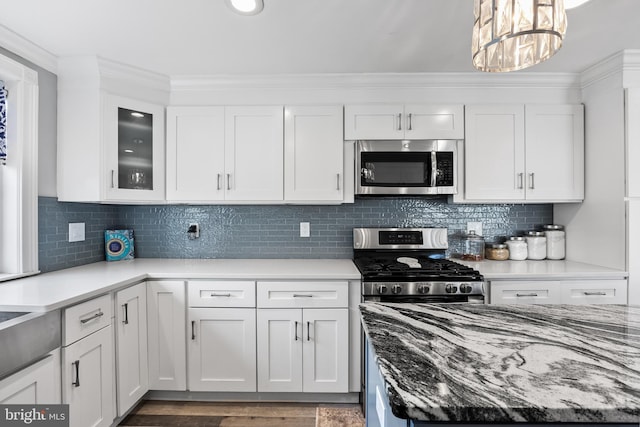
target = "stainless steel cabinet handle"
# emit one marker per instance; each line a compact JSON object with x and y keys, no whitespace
{"x":76,"y":383}
{"x":95,"y":316}
{"x":228,"y":295}
{"x":531,"y":181}
{"x":595,"y":293}
{"x":399,"y":121}
{"x":125,"y":306}
{"x":520,"y":181}
{"x":526,"y":295}
{"x":218,"y":182}
{"x":409,"y":124}
{"x":338,"y":182}
{"x":295,"y":331}
{"x":228,"y":181}
{"x":112,"y":179}
{"x":193,"y":329}
{"x":434,"y":168}
{"x":302,"y":296}
{"x":308,"y":335}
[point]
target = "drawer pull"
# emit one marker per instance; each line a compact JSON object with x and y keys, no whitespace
{"x":595,"y":293}
{"x":76,"y":383}
{"x":227,"y":295}
{"x":95,"y":316}
{"x":526,"y":295}
{"x":295,"y":333}
{"x":302,"y":296}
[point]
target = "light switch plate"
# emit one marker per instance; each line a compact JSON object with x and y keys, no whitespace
{"x":305,"y":229}
{"x":475,"y":226}
{"x":76,"y":231}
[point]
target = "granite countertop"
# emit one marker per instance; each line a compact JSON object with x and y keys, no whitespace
{"x":508,"y":363}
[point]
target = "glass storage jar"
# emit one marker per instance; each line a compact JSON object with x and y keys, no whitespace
{"x":473,"y":247}
{"x":497,"y":252}
{"x":517,"y":248}
{"x":536,"y":245}
{"x":555,"y":241}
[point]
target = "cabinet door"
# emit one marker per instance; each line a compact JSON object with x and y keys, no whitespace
{"x":133,"y":149}
{"x":594,"y":292}
{"x":87,"y":380}
{"x":195,"y":153}
{"x":555,"y":152}
{"x":525,"y":292}
{"x":37,"y":384}
{"x":378,"y":121}
{"x":222,"y":349}
{"x":434,"y":121}
{"x":131,"y":340}
{"x":313,"y":153}
{"x":280,"y":350}
{"x":166,"y":314}
{"x":494,"y":168}
{"x":325,"y":350}
{"x":254,"y":153}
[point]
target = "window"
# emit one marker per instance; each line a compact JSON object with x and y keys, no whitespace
{"x":19,"y":176}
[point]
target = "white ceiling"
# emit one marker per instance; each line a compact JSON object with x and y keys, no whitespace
{"x":203,"y":37}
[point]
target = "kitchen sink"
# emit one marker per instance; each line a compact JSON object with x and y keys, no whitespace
{"x":27,"y":337}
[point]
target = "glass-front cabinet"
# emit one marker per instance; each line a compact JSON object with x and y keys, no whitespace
{"x":134,"y":149}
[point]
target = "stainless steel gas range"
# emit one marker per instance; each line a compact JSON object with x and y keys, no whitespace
{"x":409,"y":265}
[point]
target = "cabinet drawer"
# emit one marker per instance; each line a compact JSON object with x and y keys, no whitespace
{"x":595,"y":292}
{"x":525,"y":293}
{"x":210,"y":293}
{"x":302,"y":294}
{"x":86,"y":318}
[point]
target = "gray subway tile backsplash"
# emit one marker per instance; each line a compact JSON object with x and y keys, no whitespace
{"x":263,"y":231}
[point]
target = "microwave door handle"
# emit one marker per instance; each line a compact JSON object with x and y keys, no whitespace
{"x":434,"y":168}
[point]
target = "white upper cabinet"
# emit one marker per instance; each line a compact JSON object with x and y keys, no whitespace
{"x":518,"y":153}
{"x":399,"y":121}
{"x":313,"y":153}
{"x":111,"y":141}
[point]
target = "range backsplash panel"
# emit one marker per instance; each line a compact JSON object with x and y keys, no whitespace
{"x":258,"y":231}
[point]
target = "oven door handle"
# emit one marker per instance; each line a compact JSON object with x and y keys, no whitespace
{"x":434,"y":168}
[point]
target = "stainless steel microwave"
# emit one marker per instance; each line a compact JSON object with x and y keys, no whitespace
{"x":406,"y":167}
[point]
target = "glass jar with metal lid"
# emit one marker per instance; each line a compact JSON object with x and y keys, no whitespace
{"x":536,"y":245}
{"x":473,"y":247}
{"x":497,"y":252}
{"x":555,"y":241}
{"x":517,"y":248}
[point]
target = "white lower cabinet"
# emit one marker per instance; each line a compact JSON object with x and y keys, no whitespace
{"x":131,"y":342}
{"x":37,"y":384}
{"x":303,"y":350}
{"x":87,"y":363}
{"x":222,"y":349}
{"x":167,"y":335}
{"x":303,"y":337}
{"x":613,"y":291}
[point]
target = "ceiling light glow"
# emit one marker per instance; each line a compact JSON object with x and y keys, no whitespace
{"x":136,"y":114}
{"x":246,"y":7}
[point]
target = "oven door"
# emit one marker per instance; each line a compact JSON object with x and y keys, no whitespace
{"x":406,"y":167}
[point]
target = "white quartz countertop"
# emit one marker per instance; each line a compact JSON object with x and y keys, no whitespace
{"x":62,"y":288}
{"x":542,"y":270}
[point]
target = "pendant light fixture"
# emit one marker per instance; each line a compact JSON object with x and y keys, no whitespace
{"x":510,"y":35}
{"x":246,"y":7}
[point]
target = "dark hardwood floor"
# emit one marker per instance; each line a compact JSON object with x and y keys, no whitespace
{"x":155,"y":413}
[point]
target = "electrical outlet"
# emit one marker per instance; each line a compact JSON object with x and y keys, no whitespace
{"x":76,"y":231}
{"x":475,"y":226}
{"x":305,"y":229}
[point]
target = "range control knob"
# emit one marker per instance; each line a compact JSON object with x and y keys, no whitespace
{"x":451,"y":288}
{"x":466,"y":288}
{"x":423,"y":289}
{"x":396,"y":289}
{"x":382,"y":289}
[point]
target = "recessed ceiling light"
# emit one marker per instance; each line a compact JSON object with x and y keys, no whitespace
{"x":246,"y":7}
{"x":570,"y":4}
{"x":136,"y":114}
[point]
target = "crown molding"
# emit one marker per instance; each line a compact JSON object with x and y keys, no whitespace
{"x":375,"y":81}
{"x":28,"y":50}
{"x":625,"y":63}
